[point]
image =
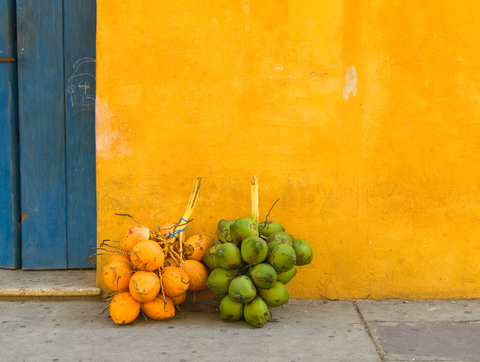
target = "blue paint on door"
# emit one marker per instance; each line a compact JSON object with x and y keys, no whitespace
{"x":10,"y":256}
{"x":41,"y":100}
{"x":79,"y":35}
{"x":56,"y":96}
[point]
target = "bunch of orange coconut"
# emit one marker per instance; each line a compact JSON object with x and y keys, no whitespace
{"x":150,"y":272}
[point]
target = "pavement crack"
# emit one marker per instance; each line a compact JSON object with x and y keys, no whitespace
{"x":370,"y":335}
{"x":426,"y":321}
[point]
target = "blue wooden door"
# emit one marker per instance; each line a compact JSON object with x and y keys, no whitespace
{"x":10,"y":256}
{"x":56,"y":117}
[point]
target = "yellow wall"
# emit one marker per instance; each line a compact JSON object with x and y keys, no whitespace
{"x":380,"y":172}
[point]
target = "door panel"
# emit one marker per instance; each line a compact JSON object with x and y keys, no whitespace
{"x":10,"y":256}
{"x":41,"y":101}
{"x":79,"y":30}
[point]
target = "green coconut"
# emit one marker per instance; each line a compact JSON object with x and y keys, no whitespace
{"x":263,"y":275}
{"x":210,"y":257}
{"x":242,"y":289}
{"x":278,"y":238}
{"x":228,"y":256}
{"x":303,"y":250}
{"x":268,"y":227}
{"x":254,"y":250}
{"x":242,"y":228}
{"x":219,"y":280}
{"x":285,"y":277}
{"x":223,"y":231}
{"x":282,"y":258}
{"x":256,"y":313}
{"x":276,"y":295}
{"x":230,"y":310}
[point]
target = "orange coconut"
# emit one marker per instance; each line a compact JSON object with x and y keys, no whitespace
{"x":147,"y":255}
{"x":116,"y":275}
{"x":180,"y":299}
{"x":133,"y":236}
{"x":175,"y":281}
{"x":124,"y":308}
{"x":144,"y":286}
{"x":119,"y":257}
{"x":158,"y":309}
{"x":198,"y":274}
{"x":200,"y":244}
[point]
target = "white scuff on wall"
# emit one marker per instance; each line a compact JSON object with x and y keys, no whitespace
{"x":350,"y":82}
{"x":106,"y":136}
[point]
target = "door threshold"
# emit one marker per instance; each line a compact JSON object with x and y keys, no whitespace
{"x":33,"y":285}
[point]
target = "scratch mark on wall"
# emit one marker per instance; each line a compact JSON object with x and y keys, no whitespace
{"x":350,"y":82}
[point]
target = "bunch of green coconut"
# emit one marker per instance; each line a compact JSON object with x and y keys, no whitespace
{"x":251,"y":263}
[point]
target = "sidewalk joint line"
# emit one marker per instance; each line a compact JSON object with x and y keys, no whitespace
{"x":370,"y":335}
{"x":427,"y":321}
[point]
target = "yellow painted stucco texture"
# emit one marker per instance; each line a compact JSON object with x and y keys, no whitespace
{"x":362,"y":117}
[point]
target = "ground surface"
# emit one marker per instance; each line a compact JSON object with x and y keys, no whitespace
{"x":57,"y":328}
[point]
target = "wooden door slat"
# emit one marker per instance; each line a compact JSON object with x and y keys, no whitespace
{"x":80,"y":21}
{"x":42,"y":133}
{"x":10,"y":247}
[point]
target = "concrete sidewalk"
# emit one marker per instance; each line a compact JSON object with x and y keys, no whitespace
{"x":302,"y":330}
{"x":52,"y":284}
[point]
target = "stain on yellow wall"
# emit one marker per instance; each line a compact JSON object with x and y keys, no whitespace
{"x":361,"y":116}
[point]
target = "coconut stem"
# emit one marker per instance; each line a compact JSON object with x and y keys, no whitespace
{"x":254,"y":194}
{"x":118,"y":279}
{"x":195,"y":275}
{"x":178,"y":307}
{"x":108,"y":253}
{"x":115,"y":241}
{"x":162,"y":288}
{"x":191,"y":206}
{"x":144,"y":316}
{"x":109,"y":248}
{"x":130,"y":216}
{"x":108,"y":306}
{"x":268,"y":214}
